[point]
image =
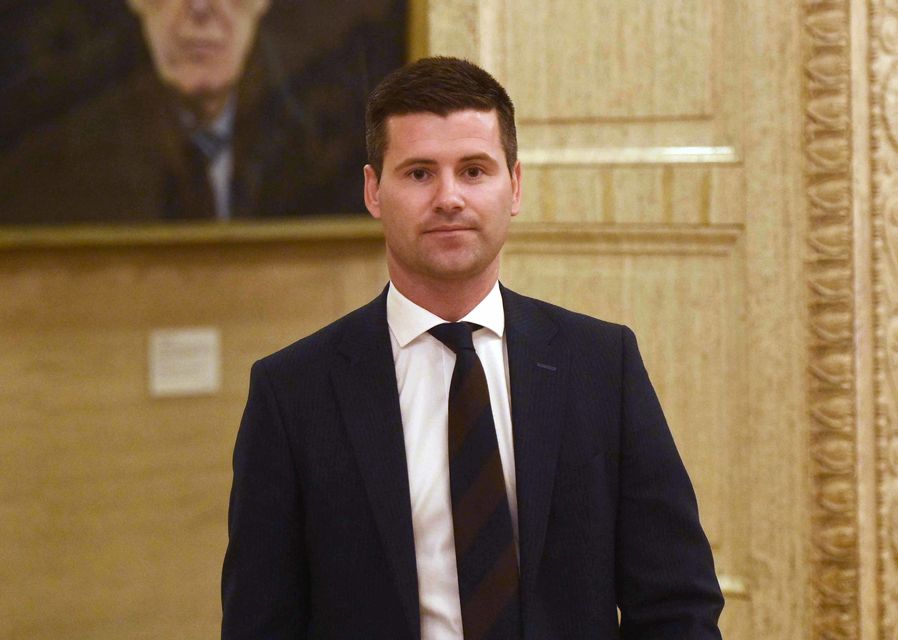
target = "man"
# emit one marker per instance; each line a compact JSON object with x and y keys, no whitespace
{"x":213,"y":123}
{"x":455,"y":460}
{"x":199,"y":49}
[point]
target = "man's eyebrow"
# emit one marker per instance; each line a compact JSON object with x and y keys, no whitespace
{"x":429,"y":162}
{"x":480,"y":157}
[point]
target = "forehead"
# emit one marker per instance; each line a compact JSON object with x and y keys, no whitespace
{"x":427,"y":132}
{"x":248,"y":8}
{"x":153,"y":6}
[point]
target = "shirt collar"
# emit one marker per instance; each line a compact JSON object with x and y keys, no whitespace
{"x":222,"y":126}
{"x":407,"y":320}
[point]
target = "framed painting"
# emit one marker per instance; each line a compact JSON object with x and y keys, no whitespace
{"x":143,"y":112}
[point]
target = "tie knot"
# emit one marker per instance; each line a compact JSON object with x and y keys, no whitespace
{"x":210,"y":143}
{"x":458,"y":336}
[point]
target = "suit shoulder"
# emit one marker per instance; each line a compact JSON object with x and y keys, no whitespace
{"x":317,"y":349}
{"x":573,"y":322}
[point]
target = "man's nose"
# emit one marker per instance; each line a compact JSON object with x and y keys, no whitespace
{"x":200,"y":8}
{"x":449,"y":196}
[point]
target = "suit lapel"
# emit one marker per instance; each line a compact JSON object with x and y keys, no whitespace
{"x":365,"y":385}
{"x":537,"y":370}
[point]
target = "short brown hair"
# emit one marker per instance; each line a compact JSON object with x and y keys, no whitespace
{"x":439,"y":85}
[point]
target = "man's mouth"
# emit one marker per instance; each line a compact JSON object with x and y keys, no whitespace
{"x":200,"y":48}
{"x":449,"y":229}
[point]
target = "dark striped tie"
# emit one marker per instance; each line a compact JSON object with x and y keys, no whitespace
{"x":484,"y":542}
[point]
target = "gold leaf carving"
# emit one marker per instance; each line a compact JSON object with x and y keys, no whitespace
{"x":826,"y":71}
{"x":829,"y":196}
{"x":835,"y":625}
{"x":837,"y":542}
{"x":889,"y":96}
{"x":827,"y":154}
{"x":884,"y":166}
{"x":831,"y":374}
{"x":893,"y":525}
{"x":888,"y":35}
{"x":830,"y":113}
{"x":826,"y":26}
{"x":833,"y":327}
{"x":831,"y":241}
{"x":837,"y":496}
{"x":833,"y":413}
{"x":832,"y":457}
{"x":834,"y":584}
{"x":892,"y":455}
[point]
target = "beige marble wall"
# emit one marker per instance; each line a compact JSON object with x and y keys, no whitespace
{"x":113,"y":503}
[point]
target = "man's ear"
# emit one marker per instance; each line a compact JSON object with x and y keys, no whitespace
{"x":372,"y":191}
{"x":516,"y":188}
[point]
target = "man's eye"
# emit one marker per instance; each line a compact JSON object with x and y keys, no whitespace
{"x":473,"y":172}
{"x":418,"y":174}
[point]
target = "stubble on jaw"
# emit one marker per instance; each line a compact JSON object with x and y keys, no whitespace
{"x":449,"y":294}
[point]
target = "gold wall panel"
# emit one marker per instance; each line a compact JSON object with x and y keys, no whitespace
{"x":113,"y":504}
{"x":681,"y":293}
{"x":624,"y":60}
{"x":644,"y":124}
{"x":668,"y":194}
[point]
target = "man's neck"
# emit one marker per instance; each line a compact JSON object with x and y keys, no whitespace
{"x":205,"y":110}
{"x":451,"y":300}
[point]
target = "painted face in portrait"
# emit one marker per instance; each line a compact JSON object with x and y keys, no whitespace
{"x":445,"y":196}
{"x":199,"y":47}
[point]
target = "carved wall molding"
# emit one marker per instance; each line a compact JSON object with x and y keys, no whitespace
{"x":834,"y":569}
{"x":884,"y":141}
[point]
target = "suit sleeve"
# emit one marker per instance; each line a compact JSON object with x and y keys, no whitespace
{"x":264,"y":585}
{"x":666,"y":583}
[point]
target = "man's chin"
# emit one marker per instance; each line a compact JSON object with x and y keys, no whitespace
{"x":202,"y":94}
{"x":202,"y":90}
{"x":458,"y":271}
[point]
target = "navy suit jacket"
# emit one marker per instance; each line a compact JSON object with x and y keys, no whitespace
{"x":320,"y":524}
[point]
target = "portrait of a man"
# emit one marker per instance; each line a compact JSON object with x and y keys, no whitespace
{"x":230,"y":110}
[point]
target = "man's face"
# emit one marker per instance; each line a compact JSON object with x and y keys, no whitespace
{"x":199,"y":46}
{"x":445,"y":196}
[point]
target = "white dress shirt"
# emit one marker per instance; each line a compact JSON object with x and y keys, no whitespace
{"x":423,"y":372}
